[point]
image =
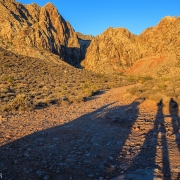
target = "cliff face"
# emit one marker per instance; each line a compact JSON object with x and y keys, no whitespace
{"x":159,"y":47}
{"x":117,"y":50}
{"x":163,"y":38}
{"x":155,"y":51}
{"x":112,"y":51}
{"x":41,"y":27}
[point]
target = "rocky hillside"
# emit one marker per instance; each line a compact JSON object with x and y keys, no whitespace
{"x":43,"y":79}
{"x":113,"y":51}
{"x":40,"y":27}
{"x":155,"y":52}
{"x":160,"y":49}
{"x":163,"y":38}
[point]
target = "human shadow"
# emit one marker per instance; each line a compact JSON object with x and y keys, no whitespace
{"x":144,"y":164}
{"x":174,"y":110}
{"x":85,"y":148}
{"x":174,"y":113}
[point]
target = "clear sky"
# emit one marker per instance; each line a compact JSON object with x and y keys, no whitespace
{"x":95,"y":16}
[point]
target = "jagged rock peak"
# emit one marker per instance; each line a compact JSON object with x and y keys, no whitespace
{"x":169,"y":18}
{"x":40,"y":27}
{"x":7,"y":0}
{"x":49,"y":6}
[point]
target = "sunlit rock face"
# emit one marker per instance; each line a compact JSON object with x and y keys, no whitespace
{"x":41,"y":27}
{"x":151,"y":53}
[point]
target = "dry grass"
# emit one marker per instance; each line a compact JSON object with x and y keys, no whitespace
{"x":157,"y":89}
{"x":21,"y":103}
{"x":27,"y":83}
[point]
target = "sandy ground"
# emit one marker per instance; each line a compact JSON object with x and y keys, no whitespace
{"x":110,"y":136}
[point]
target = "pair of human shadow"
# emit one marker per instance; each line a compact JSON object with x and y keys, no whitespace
{"x":85,"y":148}
{"x":156,"y":137}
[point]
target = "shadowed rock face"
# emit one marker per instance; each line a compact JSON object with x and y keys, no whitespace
{"x":117,"y":50}
{"x":41,"y":27}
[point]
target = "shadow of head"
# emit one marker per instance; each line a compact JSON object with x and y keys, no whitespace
{"x":173,"y":103}
{"x":160,"y":103}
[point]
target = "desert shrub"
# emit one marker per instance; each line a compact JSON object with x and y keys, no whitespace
{"x":137,"y":90}
{"x":8,"y":79}
{"x":143,"y":79}
{"x":85,"y":85}
{"x":139,"y":79}
{"x":131,"y":79}
{"x":76,"y":99}
{"x":162,"y":86}
{"x":156,"y":97}
{"x":21,"y":102}
{"x":64,"y":101}
{"x":6,"y":65}
{"x":134,"y":90}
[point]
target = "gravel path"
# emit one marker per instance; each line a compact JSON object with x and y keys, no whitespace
{"x":109,"y":136}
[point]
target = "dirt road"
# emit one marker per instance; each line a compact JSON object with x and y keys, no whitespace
{"x":110,"y":136}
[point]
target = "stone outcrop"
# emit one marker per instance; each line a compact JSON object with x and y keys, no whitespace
{"x":113,"y":51}
{"x":117,"y":50}
{"x":159,"y":47}
{"x":41,"y":27}
{"x":163,"y":38}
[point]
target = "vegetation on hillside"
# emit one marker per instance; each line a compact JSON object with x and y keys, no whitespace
{"x":157,"y":89}
{"x":27,"y":83}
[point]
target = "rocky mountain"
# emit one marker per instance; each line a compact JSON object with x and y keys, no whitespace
{"x":160,"y":49}
{"x":29,"y":29}
{"x":155,"y":52}
{"x":39,"y":27}
{"x":113,"y":51}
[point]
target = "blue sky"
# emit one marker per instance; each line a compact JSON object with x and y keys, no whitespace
{"x":95,"y":16}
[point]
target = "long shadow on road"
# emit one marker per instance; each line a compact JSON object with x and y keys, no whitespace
{"x":174,"y":109}
{"x":144,"y":164}
{"x":174,"y":113}
{"x":85,"y":148}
